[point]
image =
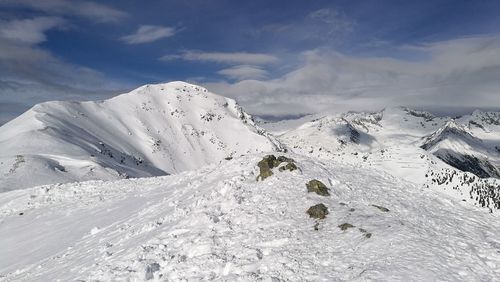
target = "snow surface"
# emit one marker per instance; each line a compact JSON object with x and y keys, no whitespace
{"x":151,"y":131}
{"x":219,"y":223}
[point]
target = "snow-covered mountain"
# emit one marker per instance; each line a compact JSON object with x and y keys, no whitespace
{"x":220,"y":223}
{"x":153,"y":130}
{"x":397,"y":195}
{"x":457,"y":156}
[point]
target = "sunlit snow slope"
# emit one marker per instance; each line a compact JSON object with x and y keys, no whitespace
{"x":219,"y":223}
{"x":153,"y":130}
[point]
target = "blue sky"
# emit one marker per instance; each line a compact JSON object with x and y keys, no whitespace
{"x":276,"y":58}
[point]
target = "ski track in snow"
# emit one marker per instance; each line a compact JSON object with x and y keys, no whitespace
{"x":219,"y":223}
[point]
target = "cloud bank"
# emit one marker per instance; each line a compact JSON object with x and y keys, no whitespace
{"x":451,"y":74}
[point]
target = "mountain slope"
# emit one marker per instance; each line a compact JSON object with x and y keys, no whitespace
{"x":153,"y":130}
{"x":457,"y":147}
{"x":219,"y":223}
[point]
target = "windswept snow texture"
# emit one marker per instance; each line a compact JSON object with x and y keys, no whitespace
{"x":219,"y":223}
{"x":459,"y":157}
{"x":153,"y":130}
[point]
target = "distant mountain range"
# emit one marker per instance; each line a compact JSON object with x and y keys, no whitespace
{"x":459,"y":156}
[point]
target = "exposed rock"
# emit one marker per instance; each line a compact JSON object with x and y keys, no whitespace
{"x":151,"y":269}
{"x":318,"y":211}
{"x":317,"y":187}
{"x":270,"y":161}
{"x":365,"y":233}
{"x":265,"y":166}
{"x":283,"y":159}
{"x":345,"y":226}
{"x":289,"y":166}
{"x":381,"y":208}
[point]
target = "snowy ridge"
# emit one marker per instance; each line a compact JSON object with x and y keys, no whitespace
{"x":449,"y":131}
{"x":455,"y":145}
{"x":153,"y":130}
{"x":219,"y":223}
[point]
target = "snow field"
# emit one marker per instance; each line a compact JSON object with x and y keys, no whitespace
{"x":219,"y":223}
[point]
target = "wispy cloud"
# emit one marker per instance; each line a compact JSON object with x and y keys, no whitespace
{"x":335,"y":21}
{"x":30,"y":31}
{"x":149,"y":33}
{"x":244,"y":72}
{"x":223,"y":57}
{"x":327,"y":25}
{"x":87,"y":9}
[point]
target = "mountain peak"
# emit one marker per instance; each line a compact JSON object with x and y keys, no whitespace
{"x":153,"y":130}
{"x":449,"y":131}
{"x":176,"y":86}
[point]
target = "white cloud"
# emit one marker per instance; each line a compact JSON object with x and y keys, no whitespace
{"x":244,"y":72}
{"x":149,"y":33}
{"x":222,"y":57}
{"x":29,"y":31}
{"x":87,"y":9}
{"x":454,"y":74}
